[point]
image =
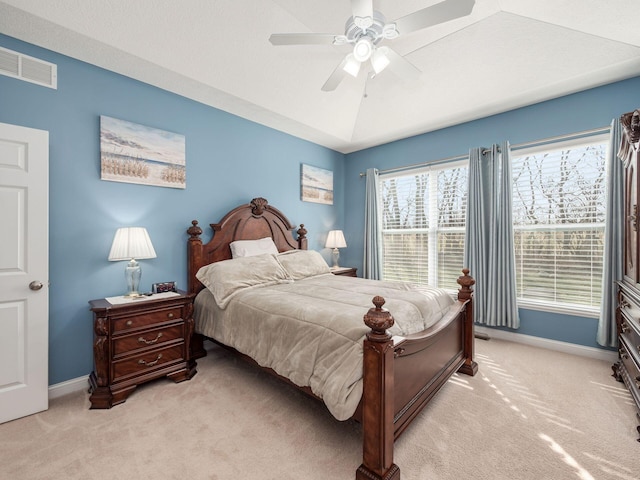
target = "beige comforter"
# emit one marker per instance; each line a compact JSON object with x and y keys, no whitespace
{"x":311,"y":331}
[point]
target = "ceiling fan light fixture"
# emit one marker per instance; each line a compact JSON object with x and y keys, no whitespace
{"x":351,"y":65}
{"x":363,"y":49}
{"x":379,"y":59}
{"x":364,"y":31}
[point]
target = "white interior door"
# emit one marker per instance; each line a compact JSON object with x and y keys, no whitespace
{"x":24,"y":271}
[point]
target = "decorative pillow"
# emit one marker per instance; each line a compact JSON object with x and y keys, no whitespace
{"x":250,"y":248}
{"x":226,"y":278}
{"x":301,"y":264}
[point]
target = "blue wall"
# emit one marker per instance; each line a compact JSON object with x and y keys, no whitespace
{"x":229,"y":161}
{"x":573,"y":113}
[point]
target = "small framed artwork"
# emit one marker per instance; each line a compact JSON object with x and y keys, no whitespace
{"x":316,"y":184}
{"x":133,"y":153}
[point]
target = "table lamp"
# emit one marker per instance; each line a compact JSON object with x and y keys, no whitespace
{"x":130,"y":243}
{"x":335,"y":240}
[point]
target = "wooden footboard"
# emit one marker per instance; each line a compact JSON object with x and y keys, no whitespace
{"x":401,"y":376}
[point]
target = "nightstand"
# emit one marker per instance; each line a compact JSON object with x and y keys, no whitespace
{"x":138,"y":341}
{"x":346,"y":271}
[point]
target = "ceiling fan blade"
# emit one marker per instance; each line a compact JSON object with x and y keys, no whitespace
{"x":362,"y":8}
{"x":433,"y":15}
{"x":400,"y":65}
{"x":303,"y":38}
{"x":336,"y":77}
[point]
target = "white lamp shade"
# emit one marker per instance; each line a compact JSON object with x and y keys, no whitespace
{"x":335,"y":239}
{"x":131,"y":242}
{"x":351,"y":66}
{"x":379,"y":59}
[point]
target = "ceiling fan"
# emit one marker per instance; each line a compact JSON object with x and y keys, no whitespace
{"x":366,"y":28}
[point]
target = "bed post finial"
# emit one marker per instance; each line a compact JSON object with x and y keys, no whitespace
{"x":302,"y":237}
{"x":378,"y":320}
{"x":377,"y":398}
{"x":258,"y":205}
{"x":465,"y":281}
{"x":194,"y":230}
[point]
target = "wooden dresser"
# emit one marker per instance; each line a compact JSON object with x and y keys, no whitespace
{"x":139,"y":341}
{"x":627,"y":369}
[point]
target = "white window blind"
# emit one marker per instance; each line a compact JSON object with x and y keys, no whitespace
{"x":423,"y":220}
{"x":559,"y":215}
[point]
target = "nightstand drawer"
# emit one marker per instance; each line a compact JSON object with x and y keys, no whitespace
{"x":131,"y":322}
{"x":146,"y":362}
{"x":155,"y":337}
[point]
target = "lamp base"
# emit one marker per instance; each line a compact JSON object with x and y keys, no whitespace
{"x":132,"y":274}
{"x":133,"y":295}
{"x":335,"y":255}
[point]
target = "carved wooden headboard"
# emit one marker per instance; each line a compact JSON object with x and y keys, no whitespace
{"x":256,"y":220}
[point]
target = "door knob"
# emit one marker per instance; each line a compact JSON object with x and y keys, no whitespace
{"x":35,"y":285}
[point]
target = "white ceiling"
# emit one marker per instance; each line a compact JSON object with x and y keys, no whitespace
{"x":506,"y":54}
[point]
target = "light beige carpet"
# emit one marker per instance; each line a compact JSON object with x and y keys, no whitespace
{"x":528,"y":414}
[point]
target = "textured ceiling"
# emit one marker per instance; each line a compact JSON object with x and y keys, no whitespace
{"x":506,"y":54}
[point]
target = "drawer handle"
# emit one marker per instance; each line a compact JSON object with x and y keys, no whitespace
{"x":129,"y":323}
{"x":150,"y":364}
{"x":624,"y":327}
{"x":150,"y":342}
{"x":624,"y":304}
{"x":623,"y":354}
{"x":170,"y":315}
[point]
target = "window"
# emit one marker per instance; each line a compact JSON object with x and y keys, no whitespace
{"x":558,"y":218}
{"x":423,"y":220}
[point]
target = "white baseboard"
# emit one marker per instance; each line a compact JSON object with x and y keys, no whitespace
{"x":70,"y":386}
{"x":82,"y":383}
{"x":572,"y":348}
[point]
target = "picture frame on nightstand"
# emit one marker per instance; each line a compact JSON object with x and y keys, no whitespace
{"x":162,"y":287}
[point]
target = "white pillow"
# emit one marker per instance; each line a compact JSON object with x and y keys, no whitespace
{"x":301,"y":264}
{"x":226,"y":278}
{"x":250,"y":248}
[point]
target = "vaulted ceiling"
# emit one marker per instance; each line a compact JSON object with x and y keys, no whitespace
{"x":505,"y":54}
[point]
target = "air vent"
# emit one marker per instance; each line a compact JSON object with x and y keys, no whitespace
{"x":29,"y":69}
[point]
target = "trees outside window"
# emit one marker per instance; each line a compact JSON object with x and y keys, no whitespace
{"x":559,"y":217}
{"x":423,"y":221}
{"x":558,"y":214}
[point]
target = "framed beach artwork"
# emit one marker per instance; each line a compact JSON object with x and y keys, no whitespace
{"x":316,"y":184}
{"x":133,"y":153}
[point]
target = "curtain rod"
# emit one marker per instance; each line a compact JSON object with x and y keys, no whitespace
{"x":423,"y":164}
{"x":569,"y":136}
{"x":519,"y":146}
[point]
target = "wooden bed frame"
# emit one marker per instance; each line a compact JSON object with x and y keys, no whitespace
{"x":399,"y":378}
